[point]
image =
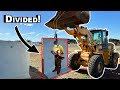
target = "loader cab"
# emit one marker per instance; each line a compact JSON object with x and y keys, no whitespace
{"x":100,"y":38}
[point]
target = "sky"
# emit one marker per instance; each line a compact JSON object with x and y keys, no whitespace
{"x":35,"y":31}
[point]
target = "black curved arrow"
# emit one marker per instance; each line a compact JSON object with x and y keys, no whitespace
{"x":31,"y":48}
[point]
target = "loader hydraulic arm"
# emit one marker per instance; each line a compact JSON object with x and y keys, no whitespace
{"x":79,"y":32}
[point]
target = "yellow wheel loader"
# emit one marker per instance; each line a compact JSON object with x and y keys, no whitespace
{"x":96,"y":52}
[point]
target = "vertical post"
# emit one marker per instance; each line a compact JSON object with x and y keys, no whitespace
{"x":55,"y":36}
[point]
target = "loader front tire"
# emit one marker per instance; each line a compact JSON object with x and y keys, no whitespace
{"x":96,"y":66}
{"x":73,"y":61}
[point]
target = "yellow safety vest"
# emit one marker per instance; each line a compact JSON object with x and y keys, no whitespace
{"x":59,"y":48}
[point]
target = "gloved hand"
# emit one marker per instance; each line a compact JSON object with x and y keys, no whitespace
{"x":52,"y":52}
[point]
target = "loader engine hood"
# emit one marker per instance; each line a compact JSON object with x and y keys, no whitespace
{"x":65,"y":19}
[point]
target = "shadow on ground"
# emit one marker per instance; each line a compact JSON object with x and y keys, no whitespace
{"x":112,"y":74}
{"x":36,"y":74}
{"x":108,"y":74}
{"x":82,"y":71}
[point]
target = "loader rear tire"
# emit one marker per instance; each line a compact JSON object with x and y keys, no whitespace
{"x":73,"y":61}
{"x":114,"y":60}
{"x":96,"y":66}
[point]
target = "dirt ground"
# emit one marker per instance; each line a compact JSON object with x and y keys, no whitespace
{"x":36,"y":63}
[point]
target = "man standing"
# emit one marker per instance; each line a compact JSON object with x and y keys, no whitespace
{"x":58,"y":52}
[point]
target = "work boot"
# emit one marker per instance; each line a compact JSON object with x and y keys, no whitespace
{"x":58,"y":70}
{"x":54,"y":69}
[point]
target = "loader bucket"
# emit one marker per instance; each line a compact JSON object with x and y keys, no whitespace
{"x":65,"y":19}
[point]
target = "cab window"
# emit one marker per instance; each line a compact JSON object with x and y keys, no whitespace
{"x":104,"y":37}
{"x":97,"y":37}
